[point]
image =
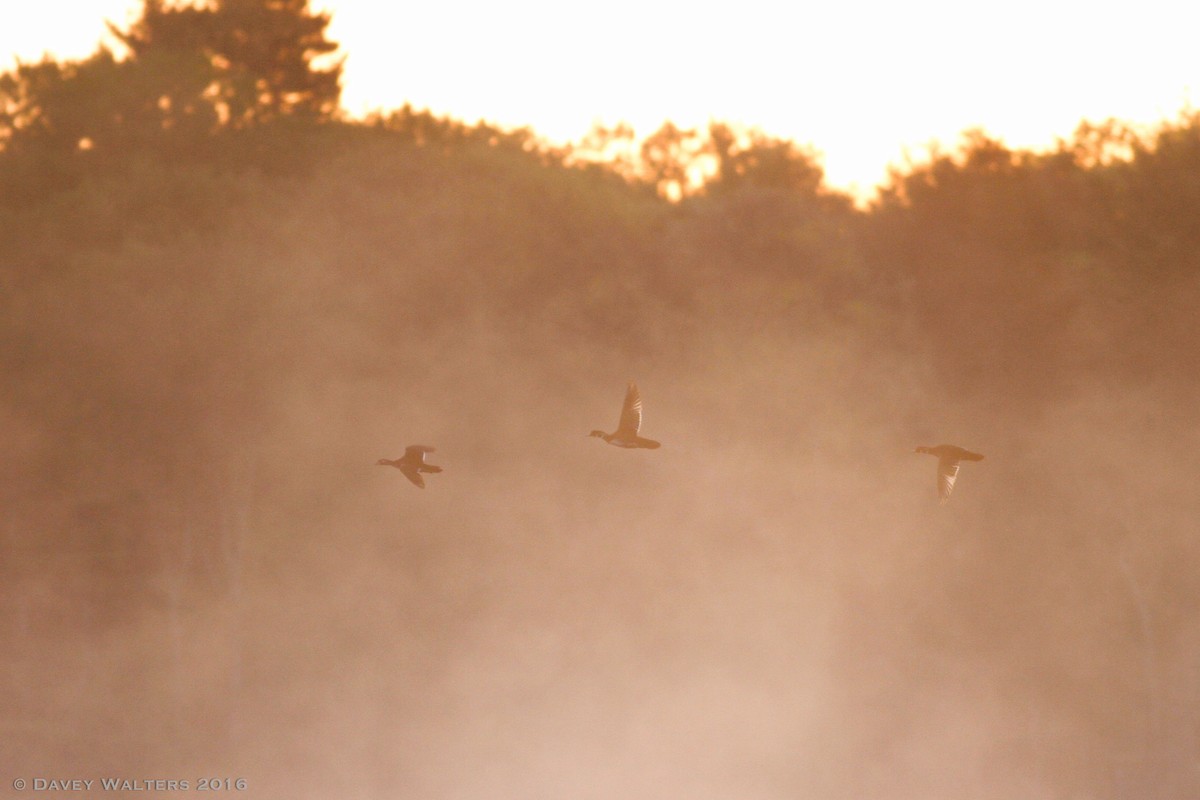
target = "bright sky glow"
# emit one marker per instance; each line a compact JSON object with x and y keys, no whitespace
{"x":860,"y":82}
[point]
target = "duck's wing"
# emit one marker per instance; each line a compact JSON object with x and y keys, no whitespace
{"x":417,"y":452}
{"x":947,"y":474}
{"x":410,"y":472}
{"x":631,"y":412}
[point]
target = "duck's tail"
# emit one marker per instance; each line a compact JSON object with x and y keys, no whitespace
{"x":430,"y":468}
{"x":972,"y":457}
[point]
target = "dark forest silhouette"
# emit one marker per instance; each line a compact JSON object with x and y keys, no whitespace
{"x":219,"y":298}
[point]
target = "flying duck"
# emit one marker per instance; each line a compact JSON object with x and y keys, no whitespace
{"x":948,"y":456}
{"x":412,"y":463}
{"x":626,"y":434}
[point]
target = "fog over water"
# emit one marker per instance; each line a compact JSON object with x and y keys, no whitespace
{"x":206,"y":574}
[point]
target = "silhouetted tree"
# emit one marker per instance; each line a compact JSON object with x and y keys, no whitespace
{"x":84,"y":105}
{"x":57,"y":120}
{"x":613,"y":149}
{"x":753,"y":158}
{"x":670,"y":161}
{"x":193,"y":71}
{"x":259,"y":55}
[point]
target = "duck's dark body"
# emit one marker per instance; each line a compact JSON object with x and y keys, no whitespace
{"x":949,"y":456}
{"x":412,"y":463}
{"x":626,"y":434}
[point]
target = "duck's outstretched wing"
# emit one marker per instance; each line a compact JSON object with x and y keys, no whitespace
{"x":417,"y":451}
{"x":410,"y":472}
{"x":631,"y":412}
{"x":947,"y":474}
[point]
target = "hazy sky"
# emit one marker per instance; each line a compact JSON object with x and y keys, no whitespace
{"x":859,"y":81}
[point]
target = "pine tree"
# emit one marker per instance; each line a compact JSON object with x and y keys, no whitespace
{"x":258,"y":54}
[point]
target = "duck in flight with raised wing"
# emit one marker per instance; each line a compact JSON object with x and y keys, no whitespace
{"x":626,"y":434}
{"x":949,"y":456}
{"x":412,"y":463}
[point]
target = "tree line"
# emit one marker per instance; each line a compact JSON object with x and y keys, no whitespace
{"x":993,"y":259}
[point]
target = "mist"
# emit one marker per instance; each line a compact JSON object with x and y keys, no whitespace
{"x":206,"y":574}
